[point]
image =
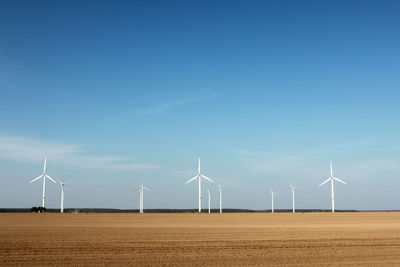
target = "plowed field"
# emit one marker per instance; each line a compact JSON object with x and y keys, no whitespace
{"x":200,"y":239}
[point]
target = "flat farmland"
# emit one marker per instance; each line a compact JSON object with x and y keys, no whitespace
{"x":200,"y":239}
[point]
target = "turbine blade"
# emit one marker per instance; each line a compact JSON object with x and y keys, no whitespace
{"x":327,"y":180}
{"x":51,"y":179}
{"x":63,"y":183}
{"x":337,"y":179}
{"x":207,"y":178}
{"x":44,"y":166}
{"x":191,"y":180}
{"x":330,"y":165}
{"x":199,"y":166}
{"x":36,"y":179}
{"x":137,"y":190}
{"x":146,"y":188}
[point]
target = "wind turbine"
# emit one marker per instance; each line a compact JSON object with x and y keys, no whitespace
{"x":44,"y":176}
{"x":220,"y":198}
{"x":141,"y":190}
{"x":209,"y":201}
{"x":199,"y":176}
{"x":62,"y":195}
{"x":293,"y":188}
{"x":331,"y":179}
{"x":272,"y":196}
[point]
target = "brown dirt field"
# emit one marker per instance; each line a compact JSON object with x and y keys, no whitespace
{"x":200,"y":239}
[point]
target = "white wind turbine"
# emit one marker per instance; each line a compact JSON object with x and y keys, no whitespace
{"x":44,"y":176}
{"x":62,"y":195}
{"x":293,"y":203}
{"x":141,"y":190}
{"x":220,"y":198}
{"x":209,"y":201}
{"x":331,"y":179}
{"x":199,"y":176}
{"x":272,"y":196}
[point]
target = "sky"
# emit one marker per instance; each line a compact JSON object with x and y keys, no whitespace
{"x":266,"y":93}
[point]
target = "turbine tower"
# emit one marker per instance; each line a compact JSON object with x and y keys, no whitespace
{"x":44,"y":176}
{"x":199,"y":176}
{"x":332,"y":179}
{"x":272,"y":196}
{"x":209,"y":201}
{"x":62,"y":195}
{"x":141,"y":190}
{"x":293,"y":203}
{"x":220,"y":198}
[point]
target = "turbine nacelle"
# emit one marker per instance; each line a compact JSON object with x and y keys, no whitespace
{"x":220,"y":187}
{"x":142,"y":188}
{"x":274,"y":193}
{"x":63,"y":183}
{"x":41,"y":176}
{"x":330,"y":179}
{"x":293,"y":187}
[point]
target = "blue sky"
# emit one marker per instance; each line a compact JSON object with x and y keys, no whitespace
{"x":265,"y":92}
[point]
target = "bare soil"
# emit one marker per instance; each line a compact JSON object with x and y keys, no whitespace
{"x":200,"y":239}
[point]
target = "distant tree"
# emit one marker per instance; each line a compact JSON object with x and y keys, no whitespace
{"x":37,"y":209}
{"x":33,"y":209}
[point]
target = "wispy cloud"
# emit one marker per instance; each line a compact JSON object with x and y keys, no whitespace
{"x":24,"y":149}
{"x":378,"y":168}
{"x":354,"y":160}
{"x":277,"y":164}
{"x":311,"y":152}
{"x":185,"y":173}
{"x":163,"y":107}
{"x":158,"y":108}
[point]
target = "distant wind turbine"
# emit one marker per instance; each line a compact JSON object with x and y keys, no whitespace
{"x":62,"y":195}
{"x":220,"y":197}
{"x":141,"y":190}
{"x":272,"y":196}
{"x":44,"y":176}
{"x":199,"y":176}
{"x":293,"y":203}
{"x":331,"y":179}
{"x":209,"y":201}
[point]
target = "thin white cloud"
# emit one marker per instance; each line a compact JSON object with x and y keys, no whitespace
{"x":277,"y":165}
{"x":369,"y":168}
{"x":186,"y":173}
{"x":163,"y":107}
{"x":360,"y":164}
{"x":317,"y":152}
{"x":157,"y":108}
{"x":22,"y":149}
